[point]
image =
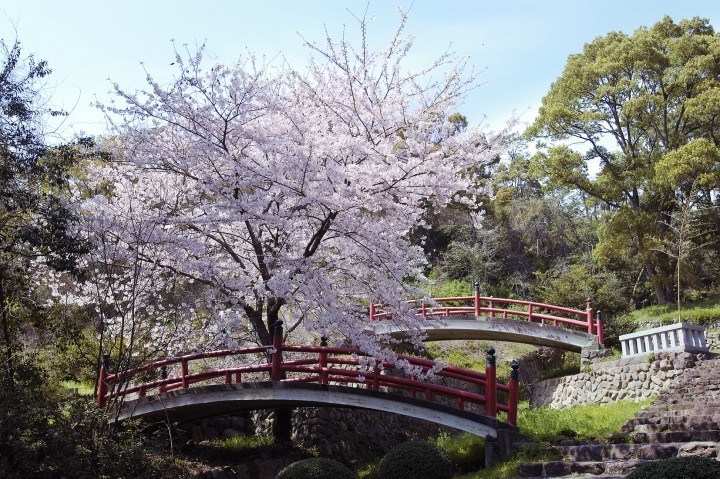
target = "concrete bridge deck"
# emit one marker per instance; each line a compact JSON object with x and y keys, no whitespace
{"x":496,"y":329}
{"x":200,"y":402}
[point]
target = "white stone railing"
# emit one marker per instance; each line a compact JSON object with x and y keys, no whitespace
{"x":674,"y":337}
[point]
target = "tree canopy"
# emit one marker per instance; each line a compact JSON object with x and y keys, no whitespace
{"x":295,"y":190}
{"x":646,"y":107}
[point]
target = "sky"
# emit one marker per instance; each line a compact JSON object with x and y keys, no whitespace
{"x":518,"y":48}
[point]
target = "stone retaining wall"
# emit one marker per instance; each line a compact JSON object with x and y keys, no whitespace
{"x":631,"y":379}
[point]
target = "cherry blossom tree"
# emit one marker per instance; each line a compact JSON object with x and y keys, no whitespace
{"x":290,"y":194}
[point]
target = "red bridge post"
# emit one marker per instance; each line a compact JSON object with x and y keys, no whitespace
{"x":102,"y":380}
{"x":372,"y":311}
{"x":590,"y":317}
{"x":513,"y":396}
{"x":477,"y":298}
{"x":490,"y":384}
{"x":600,"y":334}
{"x":322,"y":361}
{"x":185,"y":370}
{"x":275,"y":373}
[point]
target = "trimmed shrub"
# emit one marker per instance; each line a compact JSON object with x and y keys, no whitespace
{"x":689,"y":467}
{"x":465,"y":451}
{"x":414,"y":459}
{"x":316,"y":468}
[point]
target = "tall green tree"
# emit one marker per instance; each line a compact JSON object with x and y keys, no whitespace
{"x":35,"y":221}
{"x":646,"y":107}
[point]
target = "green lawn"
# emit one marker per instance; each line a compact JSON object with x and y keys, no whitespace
{"x":705,"y":312}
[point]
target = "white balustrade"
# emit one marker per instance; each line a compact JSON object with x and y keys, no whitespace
{"x":673,"y":337}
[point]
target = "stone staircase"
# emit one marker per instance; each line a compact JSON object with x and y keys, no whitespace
{"x":684,"y":420}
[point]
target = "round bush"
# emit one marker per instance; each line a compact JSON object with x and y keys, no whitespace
{"x":315,"y":468}
{"x":689,"y":467}
{"x":414,"y":459}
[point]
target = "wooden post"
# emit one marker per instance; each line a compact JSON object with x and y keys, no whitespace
{"x":600,"y":333}
{"x":513,"y":397}
{"x":275,"y":373}
{"x":590,"y":317}
{"x":322,"y":361}
{"x":185,"y":382}
{"x":102,"y":380}
{"x":492,"y":308}
{"x":490,"y":384}
{"x":477,"y":299}
{"x":372,"y":311}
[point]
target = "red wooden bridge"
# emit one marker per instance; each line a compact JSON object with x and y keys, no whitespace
{"x":502,"y":319}
{"x":194,"y":386}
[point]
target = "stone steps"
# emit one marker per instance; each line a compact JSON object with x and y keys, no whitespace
{"x":676,"y":436}
{"x":625,"y":452}
{"x":684,"y":420}
{"x":569,"y":468}
{"x":673,"y":423}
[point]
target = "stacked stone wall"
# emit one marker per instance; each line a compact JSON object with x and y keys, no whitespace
{"x":602,"y":382}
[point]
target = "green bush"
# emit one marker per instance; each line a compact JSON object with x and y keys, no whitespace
{"x":316,"y":468}
{"x":679,"y":468}
{"x":414,"y":459}
{"x":465,"y":451}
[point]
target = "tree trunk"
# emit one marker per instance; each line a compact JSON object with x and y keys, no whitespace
{"x":662,"y":291}
{"x":9,"y":369}
{"x":282,"y":422}
{"x":282,"y":425}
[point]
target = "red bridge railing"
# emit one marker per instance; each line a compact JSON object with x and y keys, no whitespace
{"x":324,"y":365}
{"x":477,"y":305}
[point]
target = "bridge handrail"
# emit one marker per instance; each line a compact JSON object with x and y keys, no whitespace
{"x":321,"y":368}
{"x":477,"y":305}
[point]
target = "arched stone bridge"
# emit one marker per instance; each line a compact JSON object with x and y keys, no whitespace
{"x":498,"y":319}
{"x":219,"y":382}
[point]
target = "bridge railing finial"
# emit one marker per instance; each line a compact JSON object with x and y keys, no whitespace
{"x":513,"y":395}
{"x":590,"y":317}
{"x":275,"y":373}
{"x":490,"y":384}
{"x":477,"y":298}
{"x":102,"y":380}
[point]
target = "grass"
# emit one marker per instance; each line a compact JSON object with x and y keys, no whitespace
{"x":586,"y":422}
{"x":466,"y":451}
{"x":471,"y":356}
{"x":508,"y":468}
{"x":563,"y":370}
{"x":83,"y":388}
{"x":548,"y":426}
{"x":704,"y":312}
{"x":241,"y":442}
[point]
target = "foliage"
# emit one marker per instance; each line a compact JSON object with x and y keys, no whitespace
{"x":564,"y":370}
{"x":279,"y":190}
{"x":508,"y":467}
{"x":679,"y":467}
{"x":446,"y":287}
{"x":414,"y":459}
{"x":465,"y":451}
{"x":46,"y":433}
{"x":242,"y":441}
{"x":572,"y":285}
{"x":36,"y":223}
{"x":651,"y":96}
{"x":595,"y":422}
{"x":316,"y":468}
{"x":705,"y":312}
{"x":469,"y":355}
{"x":83,"y":388}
